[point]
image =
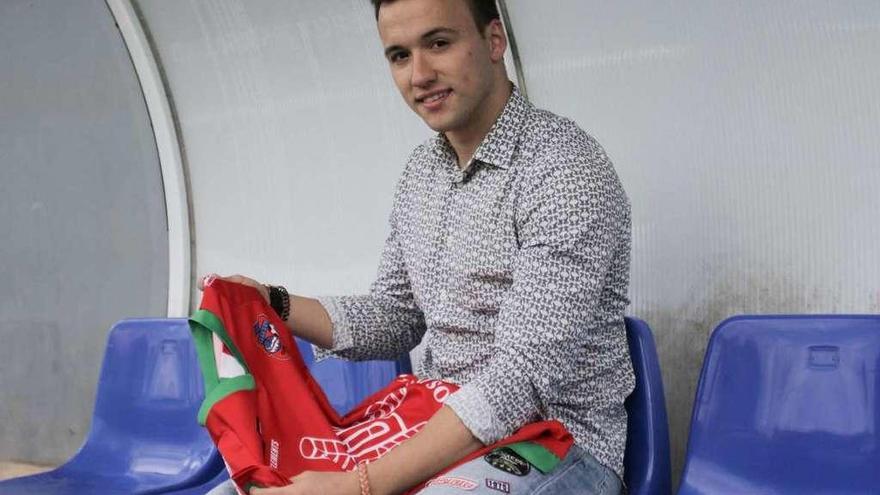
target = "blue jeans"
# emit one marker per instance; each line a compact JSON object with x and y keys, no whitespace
{"x":578,"y":474}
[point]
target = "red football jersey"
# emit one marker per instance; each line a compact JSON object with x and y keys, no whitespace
{"x":271,"y":420}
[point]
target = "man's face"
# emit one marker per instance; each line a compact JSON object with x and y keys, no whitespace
{"x":442,"y":65}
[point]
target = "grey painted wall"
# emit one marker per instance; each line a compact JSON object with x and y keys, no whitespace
{"x":82,"y":217}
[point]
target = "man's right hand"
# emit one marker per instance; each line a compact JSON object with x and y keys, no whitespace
{"x":238,"y":279}
{"x":308,"y":319}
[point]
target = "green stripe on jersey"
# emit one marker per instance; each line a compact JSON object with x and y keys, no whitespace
{"x":225,"y":388}
{"x":211,"y":322}
{"x":537,"y":455}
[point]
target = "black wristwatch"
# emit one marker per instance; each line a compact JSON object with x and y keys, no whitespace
{"x":279,"y":299}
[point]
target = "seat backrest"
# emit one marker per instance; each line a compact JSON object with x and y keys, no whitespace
{"x":348,"y":383}
{"x":149,"y":392}
{"x":646,"y":462}
{"x":787,"y":404}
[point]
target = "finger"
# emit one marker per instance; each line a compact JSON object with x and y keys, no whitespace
{"x":241,"y":279}
{"x":283,"y":490}
{"x":206,"y":280}
{"x":266,"y":491}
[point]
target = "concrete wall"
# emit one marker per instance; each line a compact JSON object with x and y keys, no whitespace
{"x":82,"y":217}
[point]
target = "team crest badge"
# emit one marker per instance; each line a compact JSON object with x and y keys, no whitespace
{"x":268,"y":338}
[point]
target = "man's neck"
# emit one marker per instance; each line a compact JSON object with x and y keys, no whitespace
{"x":466,"y":141}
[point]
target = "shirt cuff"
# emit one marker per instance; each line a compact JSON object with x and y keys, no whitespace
{"x":477,"y":414}
{"x":341,"y":329}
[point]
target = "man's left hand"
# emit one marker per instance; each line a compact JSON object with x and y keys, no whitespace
{"x":316,"y":483}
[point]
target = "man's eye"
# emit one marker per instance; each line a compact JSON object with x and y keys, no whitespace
{"x":439,"y":43}
{"x":397,"y":57}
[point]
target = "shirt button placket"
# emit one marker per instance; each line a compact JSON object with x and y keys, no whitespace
{"x":446,"y":210}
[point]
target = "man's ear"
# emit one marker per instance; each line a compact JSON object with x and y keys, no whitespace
{"x":497,"y":40}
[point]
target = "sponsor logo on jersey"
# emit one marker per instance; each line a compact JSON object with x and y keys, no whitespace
{"x":268,"y":338}
{"x":508,"y":461}
{"x":273,"y":453}
{"x":501,"y":486}
{"x":383,"y":429}
{"x":453,"y":481}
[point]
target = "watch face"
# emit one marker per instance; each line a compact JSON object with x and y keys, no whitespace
{"x":508,"y":461}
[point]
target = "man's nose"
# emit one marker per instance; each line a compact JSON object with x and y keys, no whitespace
{"x":423,"y":73}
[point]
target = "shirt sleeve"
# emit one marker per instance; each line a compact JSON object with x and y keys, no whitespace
{"x":573,"y":222}
{"x":384,"y":323}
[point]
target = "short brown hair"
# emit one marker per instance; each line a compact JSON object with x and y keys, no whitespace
{"x":483,"y":11}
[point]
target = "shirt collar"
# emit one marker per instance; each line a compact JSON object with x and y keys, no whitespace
{"x":500,"y":142}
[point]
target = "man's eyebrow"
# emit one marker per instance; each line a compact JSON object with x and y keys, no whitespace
{"x":429,"y":34}
{"x":439,"y":30}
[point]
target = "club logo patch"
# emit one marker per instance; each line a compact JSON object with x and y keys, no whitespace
{"x":268,"y":338}
{"x":508,"y":461}
{"x":501,"y":486}
{"x":453,"y":481}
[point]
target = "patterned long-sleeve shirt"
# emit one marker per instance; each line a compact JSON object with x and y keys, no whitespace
{"x":514,"y":271}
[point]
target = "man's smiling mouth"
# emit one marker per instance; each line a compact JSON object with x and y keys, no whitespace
{"x":434,"y":97}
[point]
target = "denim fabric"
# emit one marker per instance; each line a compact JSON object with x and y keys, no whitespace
{"x":225,"y":488}
{"x":578,"y":474}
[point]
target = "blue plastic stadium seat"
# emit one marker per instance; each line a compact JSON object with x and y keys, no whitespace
{"x":787,"y":405}
{"x":646,"y":462}
{"x":144,"y":437}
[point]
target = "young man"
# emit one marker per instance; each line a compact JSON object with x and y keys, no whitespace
{"x":508,"y":255}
